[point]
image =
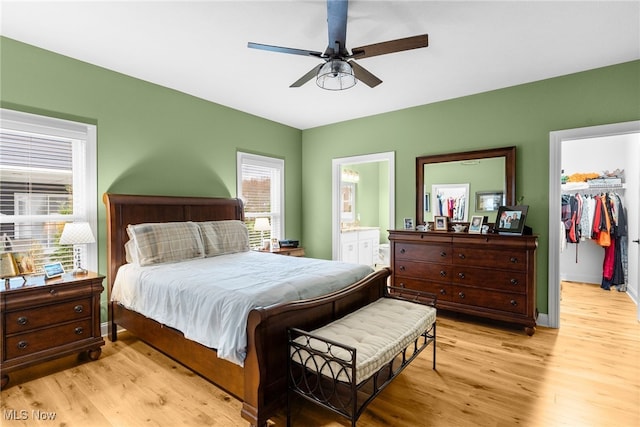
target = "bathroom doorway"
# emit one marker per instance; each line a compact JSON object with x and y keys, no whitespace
{"x":363,"y":199}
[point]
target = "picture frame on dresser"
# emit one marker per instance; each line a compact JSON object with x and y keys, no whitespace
{"x":408,"y":223}
{"x":511,"y":219}
{"x":475,"y":225}
{"x":440,"y":223}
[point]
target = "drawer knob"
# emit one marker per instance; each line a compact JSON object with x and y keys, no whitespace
{"x":78,"y":308}
{"x":513,"y":259}
{"x":514,"y":302}
{"x":443,"y":273}
{"x":443,"y":254}
{"x":22,"y":345}
{"x":402,"y":268}
{"x":402,"y":285}
{"x":402,"y":250}
{"x":461,"y":256}
{"x":514,"y":281}
{"x":79,"y":330}
{"x":53,"y":291}
{"x":461,"y":275}
{"x":22,"y":320}
{"x":443,"y":292}
{"x":461,"y":295}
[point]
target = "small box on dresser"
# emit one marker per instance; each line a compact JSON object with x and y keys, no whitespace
{"x":485,"y":275}
{"x":43,"y":320}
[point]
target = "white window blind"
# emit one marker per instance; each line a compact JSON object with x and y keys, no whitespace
{"x":261,"y":188}
{"x":47,"y":179}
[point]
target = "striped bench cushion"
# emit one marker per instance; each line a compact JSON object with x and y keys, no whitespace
{"x":378,"y":331}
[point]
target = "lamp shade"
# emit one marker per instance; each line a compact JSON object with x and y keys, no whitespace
{"x":336,"y":75}
{"x":262,"y":224}
{"x":76,"y":233}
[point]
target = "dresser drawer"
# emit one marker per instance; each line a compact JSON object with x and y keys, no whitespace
{"x":501,"y":301}
{"x":47,"y":294}
{"x":416,"y":251}
{"x":25,"y":320}
{"x":511,"y":281}
{"x":43,"y":339}
{"x":442,"y":290}
{"x":423,"y":270}
{"x":499,"y":259}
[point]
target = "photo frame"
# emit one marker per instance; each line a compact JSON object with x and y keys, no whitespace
{"x":408,"y":224}
{"x":440,"y":223}
{"x":489,"y":201}
{"x":475,"y":225}
{"x":511,"y":219}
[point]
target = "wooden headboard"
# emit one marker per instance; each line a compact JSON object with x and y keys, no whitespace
{"x":123,"y":209}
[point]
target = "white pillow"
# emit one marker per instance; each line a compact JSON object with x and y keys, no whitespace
{"x":166,"y":242}
{"x":224,"y":237}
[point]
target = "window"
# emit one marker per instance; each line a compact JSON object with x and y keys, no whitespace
{"x":47,"y":178}
{"x":261,"y":188}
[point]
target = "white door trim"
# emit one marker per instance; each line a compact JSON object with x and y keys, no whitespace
{"x":555,"y":171}
{"x":336,"y":165}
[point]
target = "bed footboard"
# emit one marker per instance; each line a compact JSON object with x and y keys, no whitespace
{"x":267,"y":355}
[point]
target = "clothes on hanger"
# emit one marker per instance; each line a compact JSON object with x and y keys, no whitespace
{"x":601,"y":218}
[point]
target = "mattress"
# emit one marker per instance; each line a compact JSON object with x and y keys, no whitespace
{"x":209,"y":299}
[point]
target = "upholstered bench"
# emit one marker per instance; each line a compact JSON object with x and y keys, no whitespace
{"x":345,"y":364}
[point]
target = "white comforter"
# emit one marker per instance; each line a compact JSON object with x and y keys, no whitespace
{"x":209,"y":299}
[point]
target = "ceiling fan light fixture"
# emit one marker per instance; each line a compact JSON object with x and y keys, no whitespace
{"x":336,"y":74}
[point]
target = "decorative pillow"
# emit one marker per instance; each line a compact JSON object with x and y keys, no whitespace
{"x":130,"y":251}
{"x":166,"y":242}
{"x":224,"y":237}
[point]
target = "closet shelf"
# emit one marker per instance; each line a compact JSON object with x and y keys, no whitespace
{"x":591,"y":188}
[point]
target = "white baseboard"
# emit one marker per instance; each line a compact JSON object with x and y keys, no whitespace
{"x":543,"y":320}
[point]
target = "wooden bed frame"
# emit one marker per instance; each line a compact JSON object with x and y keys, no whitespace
{"x":262,"y":384}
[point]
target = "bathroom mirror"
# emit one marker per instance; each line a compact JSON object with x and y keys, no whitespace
{"x":488,"y":177}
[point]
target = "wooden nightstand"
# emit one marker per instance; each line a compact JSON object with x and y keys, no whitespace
{"x":288,"y":251}
{"x":43,"y":320}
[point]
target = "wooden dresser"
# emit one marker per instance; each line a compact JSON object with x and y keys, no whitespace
{"x":43,"y":320}
{"x":486,"y":275}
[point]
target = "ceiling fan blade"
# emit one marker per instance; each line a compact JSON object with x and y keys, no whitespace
{"x":337,"y":23}
{"x":391,"y":46}
{"x":281,"y":49}
{"x":311,"y":74}
{"x":363,"y":75}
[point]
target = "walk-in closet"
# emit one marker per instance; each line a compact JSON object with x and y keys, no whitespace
{"x":599,"y":220}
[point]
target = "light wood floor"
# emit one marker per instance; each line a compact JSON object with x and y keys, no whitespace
{"x":585,"y":374}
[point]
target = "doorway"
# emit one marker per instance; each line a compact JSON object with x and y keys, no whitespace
{"x":632,"y":193}
{"x":384,"y":187}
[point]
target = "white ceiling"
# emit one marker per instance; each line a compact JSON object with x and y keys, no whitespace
{"x":200,"y":47}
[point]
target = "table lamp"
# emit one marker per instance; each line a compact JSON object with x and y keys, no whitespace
{"x":77,"y":234}
{"x":262,"y":225}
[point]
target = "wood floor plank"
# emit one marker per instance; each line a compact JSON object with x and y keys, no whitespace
{"x":587,"y":373}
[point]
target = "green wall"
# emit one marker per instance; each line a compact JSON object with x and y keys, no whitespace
{"x":151,"y":140}
{"x":522,"y":116}
{"x":156,"y":140}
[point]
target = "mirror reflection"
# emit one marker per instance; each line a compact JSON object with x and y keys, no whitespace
{"x":462,"y":185}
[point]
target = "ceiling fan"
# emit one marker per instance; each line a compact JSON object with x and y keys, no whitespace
{"x":340,"y":71}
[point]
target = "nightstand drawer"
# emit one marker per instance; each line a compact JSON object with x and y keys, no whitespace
{"x":46,"y":295}
{"x":43,"y":339}
{"x":26,"y":320}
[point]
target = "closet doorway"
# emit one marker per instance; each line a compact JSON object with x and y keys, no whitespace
{"x":606,"y":138}
{"x":379,"y":195}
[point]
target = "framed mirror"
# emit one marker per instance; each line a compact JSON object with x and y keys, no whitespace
{"x":487,"y":176}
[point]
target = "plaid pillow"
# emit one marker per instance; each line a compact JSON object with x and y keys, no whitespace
{"x":166,"y":242}
{"x":224,"y":237}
